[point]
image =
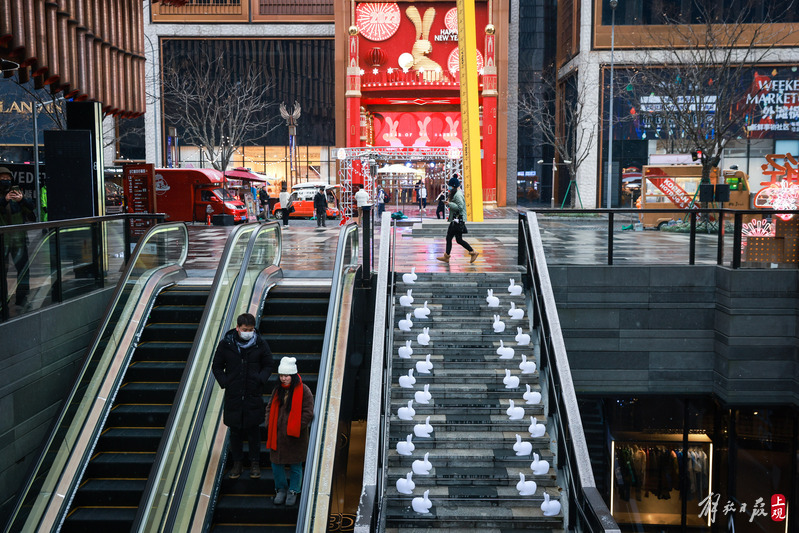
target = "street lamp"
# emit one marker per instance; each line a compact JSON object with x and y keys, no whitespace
{"x":613,"y":5}
{"x":554,"y":174}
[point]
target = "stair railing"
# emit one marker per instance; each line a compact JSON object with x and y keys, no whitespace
{"x":156,"y":263}
{"x":584,"y":508}
{"x":380,"y":380}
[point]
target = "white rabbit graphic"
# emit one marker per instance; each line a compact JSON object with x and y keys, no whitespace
{"x":423,"y":138}
{"x":452,"y":136}
{"x":392,"y":137}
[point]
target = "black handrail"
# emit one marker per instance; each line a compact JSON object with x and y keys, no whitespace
{"x":720,"y":213}
{"x":586,"y":509}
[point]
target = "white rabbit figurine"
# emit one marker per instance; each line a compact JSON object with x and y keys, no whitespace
{"x":522,"y":339}
{"x":422,"y":312}
{"x":406,"y":324}
{"x":409,"y":278}
{"x":406,"y":413}
{"x":499,"y":326}
{"x":424,"y":367}
{"x":423,"y":396}
{"x":492,"y":300}
{"x":516,"y":313}
{"x":405,"y":485}
{"x":405,"y":352}
{"x":422,"y":466}
{"x":423,"y":338}
{"x":515,"y":413}
{"x":550,"y":507}
{"x":407,"y":382}
{"x":525,"y":488}
{"x":422,"y":504}
{"x":521,"y":447}
{"x":531,"y":397}
{"x":505,"y":352}
{"x":513,"y":289}
{"x":536,"y":430}
{"x":406,"y":447}
{"x":423,"y":430}
{"x":511,"y":382}
{"x":539,"y":467}
{"x":527,"y":367}
{"x":406,"y":300}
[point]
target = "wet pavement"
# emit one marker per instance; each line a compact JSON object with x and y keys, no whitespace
{"x":568,"y":240}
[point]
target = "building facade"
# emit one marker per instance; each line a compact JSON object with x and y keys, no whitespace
{"x":646,"y":42}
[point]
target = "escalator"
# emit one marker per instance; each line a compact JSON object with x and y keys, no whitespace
{"x":115,"y":478}
{"x":293,"y":323}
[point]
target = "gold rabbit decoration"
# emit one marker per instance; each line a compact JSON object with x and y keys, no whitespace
{"x":422,"y":46}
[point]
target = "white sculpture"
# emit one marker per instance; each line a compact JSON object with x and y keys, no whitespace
{"x":513,"y":289}
{"x":405,"y":352}
{"x":515,"y":413}
{"x":499,"y":326}
{"x":511,"y":382}
{"x":422,"y":504}
{"x":521,"y":447}
{"x":527,"y":367}
{"x":406,"y":413}
{"x":516,"y":313}
{"x":505,"y":352}
{"x":492,"y":300}
{"x":424,"y":367}
{"x":522,"y":339}
{"x":406,"y":324}
{"x":423,"y":396}
{"x":536,"y":430}
{"x":406,"y":447}
{"x":525,"y":488}
{"x":422,"y":312}
{"x":423,"y":338}
{"x":423,"y":430}
{"x":407,"y":382}
{"x":531,"y":397}
{"x":539,"y":467}
{"x":405,"y":485}
{"x":409,"y":278}
{"x":422,"y":466}
{"x":550,"y":507}
{"x":406,"y":300}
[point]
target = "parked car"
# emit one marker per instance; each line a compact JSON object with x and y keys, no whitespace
{"x":302,"y":200}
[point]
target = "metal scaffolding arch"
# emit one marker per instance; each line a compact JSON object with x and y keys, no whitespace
{"x":367,"y":166}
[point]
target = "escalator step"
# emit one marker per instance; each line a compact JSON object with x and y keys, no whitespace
{"x":253,"y":528}
{"x":163,"y":351}
{"x":295,"y":342}
{"x":184,"y":297}
{"x":177,"y":313}
{"x":85,"y":519}
{"x":130,"y":439}
{"x":292,"y":324}
{"x":155,"y":371}
{"x":139,"y":415}
{"x":110,"y":492}
{"x":150,"y":392}
{"x":120,"y":465}
{"x":252,"y":509}
{"x":169,"y":331}
{"x":296,"y":306}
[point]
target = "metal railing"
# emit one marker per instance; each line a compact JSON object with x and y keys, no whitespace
{"x":318,"y":472}
{"x":379,"y":378}
{"x":156,"y":262}
{"x":56,"y":261}
{"x":701,"y":222}
{"x":584,"y":509}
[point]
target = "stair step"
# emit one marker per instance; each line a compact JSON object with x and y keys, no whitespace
{"x":110,"y":492}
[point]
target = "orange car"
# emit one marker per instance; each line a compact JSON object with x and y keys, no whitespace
{"x":302,"y":200}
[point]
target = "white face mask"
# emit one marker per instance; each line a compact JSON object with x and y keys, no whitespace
{"x":246,"y":335}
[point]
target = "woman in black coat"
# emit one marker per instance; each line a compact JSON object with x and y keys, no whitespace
{"x":242,"y":365}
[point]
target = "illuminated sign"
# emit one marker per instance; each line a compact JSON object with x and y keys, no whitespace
{"x":377,"y":22}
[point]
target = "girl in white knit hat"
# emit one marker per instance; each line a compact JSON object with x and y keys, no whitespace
{"x":288,"y":418}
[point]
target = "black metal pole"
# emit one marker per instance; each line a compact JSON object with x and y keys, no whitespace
{"x":58,"y":293}
{"x":720,"y":251}
{"x":367,"y":246}
{"x":692,"y":245}
{"x":3,"y":281}
{"x":610,"y":237}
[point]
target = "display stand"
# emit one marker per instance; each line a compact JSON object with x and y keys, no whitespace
{"x":645,"y":484}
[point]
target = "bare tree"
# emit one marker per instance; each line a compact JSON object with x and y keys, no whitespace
{"x":215,"y":106}
{"x":558,"y":109}
{"x":697,"y":91}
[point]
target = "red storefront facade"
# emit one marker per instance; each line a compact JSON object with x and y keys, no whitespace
{"x":402,"y":80}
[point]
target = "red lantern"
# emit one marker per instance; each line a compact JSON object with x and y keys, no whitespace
{"x":376,"y":57}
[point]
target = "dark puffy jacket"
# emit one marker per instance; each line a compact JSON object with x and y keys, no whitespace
{"x":319,"y":201}
{"x":243,"y":374}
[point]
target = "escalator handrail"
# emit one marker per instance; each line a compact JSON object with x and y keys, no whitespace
{"x":568,"y":421}
{"x":170,"y":269}
{"x":343,"y":268}
{"x":162,"y":487}
{"x":377,"y":381}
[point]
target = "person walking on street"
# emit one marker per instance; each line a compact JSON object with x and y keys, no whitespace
{"x":457,"y":220}
{"x":422,"y":197}
{"x":263,"y":199}
{"x":361,"y":199}
{"x":381,"y":203}
{"x":15,"y":209}
{"x":320,"y":206}
{"x":288,"y":418}
{"x":285,"y":206}
{"x":441,"y":199}
{"x":242,"y":366}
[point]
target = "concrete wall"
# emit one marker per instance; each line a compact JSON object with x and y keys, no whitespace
{"x":39,"y":357}
{"x":681,"y":330}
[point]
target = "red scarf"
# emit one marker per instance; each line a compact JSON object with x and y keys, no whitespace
{"x":295,"y":415}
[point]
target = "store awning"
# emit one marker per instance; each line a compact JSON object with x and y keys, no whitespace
{"x":242,"y":173}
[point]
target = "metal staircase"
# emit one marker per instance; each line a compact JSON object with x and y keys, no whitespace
{"x":475,"y":470}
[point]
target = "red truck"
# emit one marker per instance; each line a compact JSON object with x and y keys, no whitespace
{"x":192,"y":194}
